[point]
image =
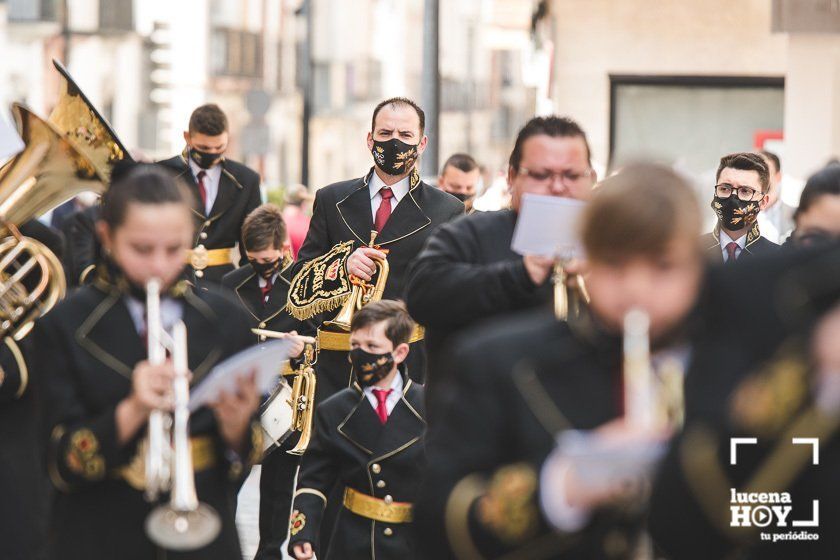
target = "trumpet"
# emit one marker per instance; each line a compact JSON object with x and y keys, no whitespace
{"x":564,"y":295}
{"x":653,"y":397}
{"x":184,"y":523}
{"x":361,"y":294}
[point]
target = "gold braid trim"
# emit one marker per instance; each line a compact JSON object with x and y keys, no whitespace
{"x":457,"y":517}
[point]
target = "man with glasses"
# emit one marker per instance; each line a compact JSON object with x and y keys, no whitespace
{"x":467,"y":271}
{"x":741,"y":192}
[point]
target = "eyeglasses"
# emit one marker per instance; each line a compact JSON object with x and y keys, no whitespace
{"x":545,"y":178}
{"x":725,"y":190}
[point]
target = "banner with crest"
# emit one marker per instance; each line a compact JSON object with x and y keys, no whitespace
{"x":322,"y":284}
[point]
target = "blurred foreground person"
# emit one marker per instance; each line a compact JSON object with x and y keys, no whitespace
{"x":818,"y":217}
{"x":498,"y":483}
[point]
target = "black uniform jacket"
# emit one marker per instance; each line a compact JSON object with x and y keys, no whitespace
{"x":467,"y":273}
{"x":23,"y":483}
{"x":239,"y":194}
{"x":751,"y":376}
{"x":760,"y":246}
{"x":342,"y":212}
{"x":277,"y":475}
{"x":270,"y":315}
{"x":519,"y":383}
{"x":351,"y":446}
{"x":88,"y":347}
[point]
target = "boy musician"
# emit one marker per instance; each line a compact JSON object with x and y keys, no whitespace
{"x":368,"y":437}
{"x":261,"y":287}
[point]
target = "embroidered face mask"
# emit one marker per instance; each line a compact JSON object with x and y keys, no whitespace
{"x":204,"y":160}
{"x":266,"y":270}
{"x":370,"y":368}
{"x":394,"y":156}
{"x":735,"y":214}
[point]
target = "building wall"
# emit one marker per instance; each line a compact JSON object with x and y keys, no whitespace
{"x":596,"y":38}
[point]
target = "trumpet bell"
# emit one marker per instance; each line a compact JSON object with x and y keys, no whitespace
{"x":183,"y":530}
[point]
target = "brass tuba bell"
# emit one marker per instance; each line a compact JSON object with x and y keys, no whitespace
{"x":361,"y":294}
{"x":47,"y":172}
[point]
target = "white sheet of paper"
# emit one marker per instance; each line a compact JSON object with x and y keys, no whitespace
{"x":266,"y":360}
{"x":10,"y":141}
{"x":547,"y":226}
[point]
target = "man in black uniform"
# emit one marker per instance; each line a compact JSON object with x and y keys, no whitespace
{"x":467,"y":272}
{"x":741,"y":192}
{"x":262,"y":286}
{"x":390,"y":199}
{"x":225,"y":192}
{"x":491,"y":490}
{"x":369,"y":438}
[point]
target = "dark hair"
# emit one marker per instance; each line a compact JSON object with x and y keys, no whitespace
{"x":397,"y":101}
{"x":824,"y":182}
{"x":550,"y":126}
{"x":746,"y":161}
{"x":399,"y":325}
{"x":264,"y":228}
{"x":208,"y":119}
{"x":143,"y":183}
{"x":777,"y":163}
{"x":639,"y":211}
{"x":464,"y":162}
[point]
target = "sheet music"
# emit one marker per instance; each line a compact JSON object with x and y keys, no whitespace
{"x":266,"y":360}
{"x":548,"y":226}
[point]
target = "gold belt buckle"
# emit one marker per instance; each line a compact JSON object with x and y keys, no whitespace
{"x":199,"y":257}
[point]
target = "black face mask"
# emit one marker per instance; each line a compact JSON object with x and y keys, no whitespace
{"x":266,"y":270}
{"x":204,"y":160}
{"x":463,"y":197}
{"x":735,"y":214}
{"x":370,"y":368}
{"x":394,"y":156}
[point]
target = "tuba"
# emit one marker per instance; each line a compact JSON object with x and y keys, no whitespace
{"x":184,"y":523}
{"x":48,"y":171}
{"x":361,"y":294}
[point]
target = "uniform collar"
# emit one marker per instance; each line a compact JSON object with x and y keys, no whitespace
{"x":400,"y":189}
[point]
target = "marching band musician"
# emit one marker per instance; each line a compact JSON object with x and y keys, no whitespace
{"x":262,"y":286}
{"x":390,"y":199}
{"x":23,"y":484}
{"x":99,"y":389}
{"x":494,"y":487}
{"x":368,"y":438}
{"x":224,"y":190}
{"x":467,"y":272}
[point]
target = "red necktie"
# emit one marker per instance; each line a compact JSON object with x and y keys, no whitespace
{"x":266,"y":290}
{"x":381,"y":407}
{"x":731,"y":247}
{"x":384,"y":211}
{"x":202,"y":191}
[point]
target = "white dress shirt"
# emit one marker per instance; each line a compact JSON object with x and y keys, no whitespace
{"x":212,"y":178}
{"x":393,"y":397}
{"x":726,"y":240}
{"x":263,"y":283}
{"x":171,"y":311}
{"x":399,"y":189}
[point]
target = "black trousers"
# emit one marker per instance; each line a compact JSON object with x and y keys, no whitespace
{"x":277,"y":486}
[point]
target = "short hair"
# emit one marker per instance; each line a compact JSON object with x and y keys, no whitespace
{"x":639,"y":211}
{"x":746,"y":161}
{"x":464,"y":162}
{"x":399,"y":325}
{"x":400,"y":101}
{"x":142,"y":183}
{"x":824,"y":182}
{"x":208,"y":119}
{"x":264,"y":228}
{"x":777,"y":163}
{"x":553,"y":126}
